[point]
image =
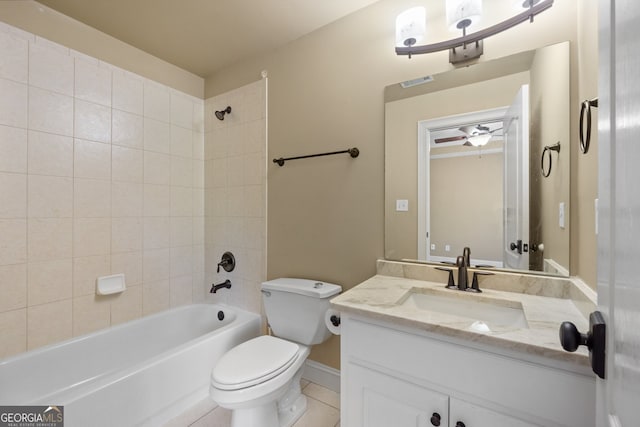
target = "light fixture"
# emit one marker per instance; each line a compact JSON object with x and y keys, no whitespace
{"x":411,"y":26}
{"x":479,"y":140}
{"x":461,"y":14}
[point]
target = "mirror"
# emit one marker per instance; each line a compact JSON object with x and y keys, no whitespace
{"x":441,"y":195}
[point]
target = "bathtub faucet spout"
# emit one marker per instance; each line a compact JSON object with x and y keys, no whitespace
{"x":225,"y":284}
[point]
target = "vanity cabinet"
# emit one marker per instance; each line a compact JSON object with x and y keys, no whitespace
{"x":401,"y":377}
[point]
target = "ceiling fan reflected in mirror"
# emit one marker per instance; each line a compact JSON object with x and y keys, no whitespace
{"x":474,"y":136}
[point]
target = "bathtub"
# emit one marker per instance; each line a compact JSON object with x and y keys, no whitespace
{"x":143,"y":372}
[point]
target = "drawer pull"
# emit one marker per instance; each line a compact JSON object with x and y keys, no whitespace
{"x":435,"y":419}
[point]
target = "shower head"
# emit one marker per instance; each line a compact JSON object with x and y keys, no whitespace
{"x":220,"y":114}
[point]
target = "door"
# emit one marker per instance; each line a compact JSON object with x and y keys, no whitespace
{"x":516,"y":182}
{"x":470,"y":415}
{"x":619,"y":211}
{"x":379,"y":400}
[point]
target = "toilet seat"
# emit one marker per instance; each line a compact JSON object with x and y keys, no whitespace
{"x":254,"y":362}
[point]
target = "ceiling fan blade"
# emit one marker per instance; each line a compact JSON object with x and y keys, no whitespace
{"x":449,"y":139}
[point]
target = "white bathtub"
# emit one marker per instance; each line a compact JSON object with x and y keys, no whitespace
{"x":142,"y":372}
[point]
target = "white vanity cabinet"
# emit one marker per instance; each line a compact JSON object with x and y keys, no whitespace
{"x":401,"y":377}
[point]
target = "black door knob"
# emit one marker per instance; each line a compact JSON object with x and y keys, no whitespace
{"x":460,"y":424}
{"x":571,"y":338}
{"x":516,"y":246}
{"x":595,"y":340}
{"x":435,"y":419}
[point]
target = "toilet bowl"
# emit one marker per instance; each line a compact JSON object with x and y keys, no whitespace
{"x":259,"y":380}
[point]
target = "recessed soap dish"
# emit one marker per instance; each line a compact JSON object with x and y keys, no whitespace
{"x":107,"y":285}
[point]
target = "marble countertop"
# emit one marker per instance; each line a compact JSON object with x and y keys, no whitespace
{"x":381,"y":297}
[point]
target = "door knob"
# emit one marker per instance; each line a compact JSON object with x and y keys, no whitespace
{"x":460,"y":424}
{"x":594,"y":340}
{"x":517,"y":245}
{"x":435,"y":419}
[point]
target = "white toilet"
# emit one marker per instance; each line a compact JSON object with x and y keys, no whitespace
{"x":259,"y":380}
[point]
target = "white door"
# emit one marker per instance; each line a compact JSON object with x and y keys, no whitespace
{"x":516,"y":182}
{"x":618,"y":395}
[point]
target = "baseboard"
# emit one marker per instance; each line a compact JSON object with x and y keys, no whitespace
{"x":322,"y":375}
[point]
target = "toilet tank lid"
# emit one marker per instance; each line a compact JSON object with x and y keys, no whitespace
{"x":312,"y":288}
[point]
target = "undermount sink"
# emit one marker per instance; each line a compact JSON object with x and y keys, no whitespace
{"x":486,"y":313}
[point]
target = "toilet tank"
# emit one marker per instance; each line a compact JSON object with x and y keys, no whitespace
{"x":295,"y":308}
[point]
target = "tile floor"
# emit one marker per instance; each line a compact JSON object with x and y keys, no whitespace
{"x":323,"y":410}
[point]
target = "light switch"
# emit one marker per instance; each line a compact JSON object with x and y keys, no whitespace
{"x":561,"y":215}
{"x":402,"y":205}
{"x":447,"y":248}
{"x":433,"y":246}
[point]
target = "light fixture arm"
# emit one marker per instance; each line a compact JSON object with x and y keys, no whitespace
{"x":478,"y":35}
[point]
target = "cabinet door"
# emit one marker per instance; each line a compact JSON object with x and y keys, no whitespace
{"x":375,"y":399}
{"x":476,"y":416}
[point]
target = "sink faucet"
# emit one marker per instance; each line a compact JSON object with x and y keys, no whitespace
{"x":463,"y":280}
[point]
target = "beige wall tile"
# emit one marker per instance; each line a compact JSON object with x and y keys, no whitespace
{"x":127,"y":305}
{"x":128,"y":92}
{"x":126,"y":235}
{"x":92,"y":159}
{"x":157,"y":136}
{"x":181,"y":231}
{"x":92,"y":122}
{"x":237,"y":202}
{"x":127,"y":129}
{"x":129,"y":264}
{"x":181,"y":201}
{"x":13,"y":330}
{"x":155,"y":265}
{"x":90,"y":313}
{"x":50,"y":154}
{"x":156,"y":101}
{"x":198,"y":173}
{"x":198,"y":145}
{"x":181,"y":291}
{"x":198,"y":231}
{"x":181,"y":171}
{"x":13,"y":149}
{"x":86,"y":271}
{"x":50,"y":239}
{"x":157,"y":168}
{"x":181,"y":261}
{"x":14,"y":62}
{"x":181,"y":141}
{"x":157,"y":200}
{"x":181,"y":110}
{"x":49,"y":281}
{"x":50,"y":112}
{"x":155,"y":297}
{"x":157,"y":233}
{"x":91,"y":198}
{"x":254,"y":201}
{"x":13,"y":195}
{"x":50,"y":197}
{"x":92,"y":82}
{"x":91,"y":236}
{"x":254,"y":168}
{"x":13,"y":287}
{"x":126,"y":164}
{"x":235,"y":166}
{"x":49,"y":323}
{"x":13,"y":104}
{"x":126,"y":199}
{"x":50,"y":69}
{"x":13,"y":246}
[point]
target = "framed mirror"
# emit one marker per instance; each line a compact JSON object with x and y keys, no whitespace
{"x":464,"y":164}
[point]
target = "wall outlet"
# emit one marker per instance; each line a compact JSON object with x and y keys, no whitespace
{"x":447,"y":248}
{"x":433,"y":246}
{"x":561,"y":215}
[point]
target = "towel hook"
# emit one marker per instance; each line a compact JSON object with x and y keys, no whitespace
{"x":585,"y":109}
{"x":548,"y":149}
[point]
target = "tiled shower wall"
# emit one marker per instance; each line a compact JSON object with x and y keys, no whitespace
{"x":101,"y":172}
{"x":235,"y":193}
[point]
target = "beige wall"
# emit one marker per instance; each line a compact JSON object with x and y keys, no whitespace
{"x":325,"y":215}
{"x":549,"y":123}
{"x":52,"y":25}
{"x":466,"y":204}
{"x":401,"y":166}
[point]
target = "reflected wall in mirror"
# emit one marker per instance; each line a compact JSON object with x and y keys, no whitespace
{"x":477,"y":196}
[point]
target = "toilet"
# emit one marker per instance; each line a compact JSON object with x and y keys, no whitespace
{"x":259,"y":380}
